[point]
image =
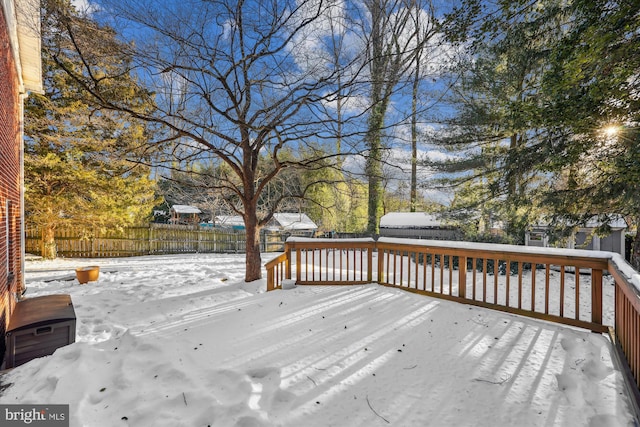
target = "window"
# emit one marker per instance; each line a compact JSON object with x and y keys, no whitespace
{"x":536,"y":236}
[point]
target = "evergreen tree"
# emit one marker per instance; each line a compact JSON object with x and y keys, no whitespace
{"x":77,"y":171}
{"x":497,"y":131}
{"x":592,"y":86}
{"x":541,"y":143}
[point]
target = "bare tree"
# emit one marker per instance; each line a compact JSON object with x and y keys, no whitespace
{"x":415,"y":94}
{"x":230,"y":87}
{"x":390,"y":41}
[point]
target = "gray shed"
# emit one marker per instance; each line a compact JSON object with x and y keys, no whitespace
{"x":584,"y":237}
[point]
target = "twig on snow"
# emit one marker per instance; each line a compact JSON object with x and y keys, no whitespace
{"x":311,"y":379}
{"x":374,"y":411}
{"x":507,"y":378}
{"x":184,"y":398}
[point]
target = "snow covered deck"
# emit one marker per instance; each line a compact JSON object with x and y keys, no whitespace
{"x":182,"y":341}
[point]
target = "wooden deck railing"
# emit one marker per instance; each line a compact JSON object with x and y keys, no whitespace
{"x":466,"y":273}
{"x":558,"y":285}
{"x":626,"y":329}
{"x":323,"y":262}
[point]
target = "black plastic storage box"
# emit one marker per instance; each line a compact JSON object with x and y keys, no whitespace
{"x":39,"y":326}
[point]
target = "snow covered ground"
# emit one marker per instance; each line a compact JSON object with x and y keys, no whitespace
{"x":181,"y":340}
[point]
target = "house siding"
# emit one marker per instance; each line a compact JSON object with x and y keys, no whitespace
{"x":10,"y":164}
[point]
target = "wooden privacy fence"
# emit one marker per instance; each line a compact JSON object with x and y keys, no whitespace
{"x":154,"y":239}
{"x":557,"y":285}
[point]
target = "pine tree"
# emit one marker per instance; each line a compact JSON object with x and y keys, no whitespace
{"x":592,"y":86}
{"x":548,"y":145}
{"x":497,"y":131}
{"x":80,"y":160}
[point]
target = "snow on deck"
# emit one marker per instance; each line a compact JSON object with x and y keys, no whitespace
{"x":181,"y":340}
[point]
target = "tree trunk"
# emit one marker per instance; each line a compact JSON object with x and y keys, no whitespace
{"x":414,"y":137}
{"x":253,"y":260}
{"x":49,"y":248}
{"x":374,"y":169}
{"x":511,"y":184}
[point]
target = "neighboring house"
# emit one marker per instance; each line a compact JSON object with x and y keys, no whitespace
{"x":583,"y":237}
{"x":184,"y":214}
{"x":416,"y":225}
{"x":20,"y":72}
{"x":294,"y":223}
{"x":234,"y":222}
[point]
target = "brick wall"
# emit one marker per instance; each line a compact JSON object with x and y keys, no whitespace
{"x":10,"y":252}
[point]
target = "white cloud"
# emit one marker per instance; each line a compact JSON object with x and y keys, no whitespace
{"x":85,"y":6}
{"x":350,"y":105}
{"x":326,"y":40}
{"x":397,"y":170}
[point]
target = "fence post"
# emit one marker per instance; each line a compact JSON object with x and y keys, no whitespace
{"x":149,"y":236}
{"x":92,"y":243}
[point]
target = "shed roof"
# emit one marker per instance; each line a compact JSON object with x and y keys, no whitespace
{"x":409,"y":220}
{"x":616,"y":222}
{"x":229,"y":220}
{"x":287,"y":221}
{"x":185,"y":209}
{"x":295,"y":221}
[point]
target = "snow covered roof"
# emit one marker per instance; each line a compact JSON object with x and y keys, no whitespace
{"x":229,"y":220}
{"x":295,"y":221}
{"x":185,"y":209}
{"x":615,"y":222}
{"x":409,"y":220}
{"x":286,"y":221}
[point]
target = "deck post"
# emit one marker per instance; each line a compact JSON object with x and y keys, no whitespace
{"x":380,"y":251}
{"x":287,"y":270}
{"x":298,"y":266}
{"x":270,"y":279}
{"x":596,"y":295}
{"x":369,"y":263}
{"x":462,"y":276}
